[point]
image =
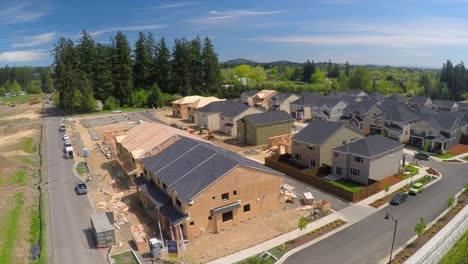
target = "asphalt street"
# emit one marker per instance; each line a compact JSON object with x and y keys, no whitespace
{"x":369,"y":240}
{"x":69,"y":239}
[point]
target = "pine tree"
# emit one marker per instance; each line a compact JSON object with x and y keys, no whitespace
{"x":162,"y":66}
{"x":87,"y":54}
{"x":181,"y":68}
{"x":308,"y":69}
{"x":196,"y":67}
{"x":103,"y":78}
{"x":347,"y":69}
{"x":46,"y":81}
{"x":122,"y":69}
{"x":211,"y":70}
{"x":142,"y":64}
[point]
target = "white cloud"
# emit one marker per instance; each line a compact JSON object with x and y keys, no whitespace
{"x":218,"y":16}
{"x":22,"y":56}
{"x":19,"y":13}
{"x":174,"y":5}
{"x":128,"y":28}
{"x":36,"y":40}
{"x":402,"y":34}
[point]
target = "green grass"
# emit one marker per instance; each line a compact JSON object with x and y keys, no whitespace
{"x":459,"y":253}
{"x":27,"y":145}
{"x":19,"y":178}
{"x":11,"y":230}
{"x":20,"y":98}
{"x":413,"y":171}
{"x":124,"y":258}
{"x":35,"y":226}
{"x":81,"y":169}
{"x":465,"y":158}
{"x":257,"y":260}
{"x":347,"y":185}
{"x":444,"y":156}
{"x":424,"y":180}
{"x":43,"y":257}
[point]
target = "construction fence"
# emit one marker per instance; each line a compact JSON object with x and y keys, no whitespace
{"x":312,"y":177}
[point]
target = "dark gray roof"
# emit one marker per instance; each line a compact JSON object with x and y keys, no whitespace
{"x":376,"y":95}
{"x":318,"y":132}
{"x":395,"y":98}
{"x":444,"y":103}
{"x":227,"y":108}
{"x":370,"y":146}
{"x":420,"y":100}
{"x":269,"y":118}
{"x":250,"y":93}
{"x":442,"y":120}
{"x":346,"y":93}
{"x":318,"y":100}
{"x":190,"y":166}
{"x":398,"y":113}
{"x":280,"y":97}
{"x":362,"y":107}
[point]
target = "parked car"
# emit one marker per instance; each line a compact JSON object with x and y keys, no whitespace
{"x":67,"y":143}
{"x":416,"y":188}
{"x":81,"y":188}
{"x":116,"y":112}
{"x":62,"y":128}
{"x":66,"y":137}
{"x":422,"y":156}
{"x":399,"y":198}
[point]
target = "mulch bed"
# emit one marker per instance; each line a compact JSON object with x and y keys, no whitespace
{"x":314,"y":234}
{"x":458,"y":149}
{"x":410,"y":249}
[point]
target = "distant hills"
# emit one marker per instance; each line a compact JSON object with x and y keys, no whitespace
{"x":236,"y":62}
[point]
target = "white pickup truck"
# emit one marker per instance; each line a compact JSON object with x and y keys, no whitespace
{"x":69,"y":153}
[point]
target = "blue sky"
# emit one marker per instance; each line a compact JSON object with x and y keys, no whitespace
{"x":397,"y":32}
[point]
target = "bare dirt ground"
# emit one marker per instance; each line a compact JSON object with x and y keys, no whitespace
{"x":22,"y":111}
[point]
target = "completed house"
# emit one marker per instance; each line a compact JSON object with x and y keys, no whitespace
{"x":445,"y":105}
{"x":281,"y":102}
{"x":256,"y":129}
{"x":312,"y":146}
{"x":374,"y":157}
{"x":354,"y":93}
{"x":358,"y":114}
{"x":262,"y":98}
{"x":247,"y":97}
{"x":419,"y":101}
{"x":223,"y":116}
{"x":193,"y":107}
{"x":180,"y":106}
{"x":310,"y":106}
{"x":396,"y":98}
{"x":193,"y":188}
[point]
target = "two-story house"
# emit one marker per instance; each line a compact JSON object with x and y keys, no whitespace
{"x":358,"y":114}
{"x":193,"y":188}
{"x":247,"y":97}
{"x":193,"y":107}
{"x":262,"y":98}
{"x":258,"y":128}
{"x":419,"y":101}
{"x":310,"y":106}
{"x":180,"y":106}
{"x":437,"y":132}
{"x":223,"y":116}
{"x":445,"y":105}
{"x":312,"y":146}
{"x":281,"y":102}
{"x":374,"y":157}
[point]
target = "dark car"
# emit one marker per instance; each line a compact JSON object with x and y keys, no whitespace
{"x":81,"y":188}
{"x":399,"y":198}
{"x":422,"y":156}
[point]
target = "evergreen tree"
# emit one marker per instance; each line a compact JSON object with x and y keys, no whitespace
{"x":142,"y":64}
{"x":87,"y":54}
{"x":196,"y":67}
{"x":347,"y":70}
{"x":211,"y":71}
{"x":329,"y":69}
{"x":46,"y":82}
{"x":122,"y":66}
{"x":162,"y":66}
{"x":103,"y":77}
{"x":308,"y":69}
{"x":181,"y":68}
{"x":151,"y":46}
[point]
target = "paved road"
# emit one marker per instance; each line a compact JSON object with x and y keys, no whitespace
{"x":369,"y":240}
{"x":68,"y":215}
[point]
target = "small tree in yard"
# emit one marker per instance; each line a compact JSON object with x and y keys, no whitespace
{"x":302,"y":224}
{"x":425,"y":146}
{"x":451,"y":201}
{"x":386,"y":187}
{"x":420,"y":227}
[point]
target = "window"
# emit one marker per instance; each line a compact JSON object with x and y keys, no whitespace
{"x":227,"y":216}
{"x":430,"y":132}
{"x":234,"y":193}
{"x":336,"y":154}
{"x":297,"y":156}
{"x":338,"y":171}
{"x":310,"y":147}
{"x":225,"y":196}
{"x":192,"y":223}
{"x":209,"y":217}
{"x":354,"y":172}
{"x":312,"y":163}
{"x":344,"y":142}
{"x":164,"y":186}
{"x":178,"y":203}
{"x":358,"y":159}
{"x":280,"y":124}
{"x":247,"y":208}
{"x":417,"y":131}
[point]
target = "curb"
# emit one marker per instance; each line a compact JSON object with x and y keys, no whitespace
{"x":395,"y":252}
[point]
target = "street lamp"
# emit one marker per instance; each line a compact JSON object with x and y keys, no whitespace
{"x":389,"y":216}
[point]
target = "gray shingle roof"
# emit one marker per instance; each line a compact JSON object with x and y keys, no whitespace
{"x":395,"y":98}
{"x":269,"y":117}
{"x":361,"y":107}
{"x":227,"y":108}
{"x":370,"y":146}
{"x":420,"y":100}
{"x":346,"y":93}
{"x":398,"y":113}
{"x":189,"y":166}
{"x":280,"y":97}
{"x":442,"y":120}
{"x":250,"y":93}
{"x":444,"y":103}
{"x":318,"y":132}
{"x":376,"y":95}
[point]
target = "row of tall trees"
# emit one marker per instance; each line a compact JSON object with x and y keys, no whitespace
{"x":27,"y":79}
{"x":86,"y":71}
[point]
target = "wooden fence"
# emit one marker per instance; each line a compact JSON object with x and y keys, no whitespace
{"x":275,"y":162}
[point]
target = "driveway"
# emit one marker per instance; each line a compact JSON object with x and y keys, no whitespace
{"x":369,"y":240}
{"x":69,"y":239}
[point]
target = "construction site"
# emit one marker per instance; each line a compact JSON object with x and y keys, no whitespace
{"x":111,"y":190}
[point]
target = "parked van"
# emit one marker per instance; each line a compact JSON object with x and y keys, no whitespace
{"x":62,"y":128}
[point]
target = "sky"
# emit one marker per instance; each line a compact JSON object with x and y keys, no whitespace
{"x":397,"y":33}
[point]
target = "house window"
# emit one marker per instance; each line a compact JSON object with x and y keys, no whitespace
{"x":312,"y":163}
{"x":338,"y":171}
{"x":336,"y":154}
{"x":358,"y":159}
{"x":310,"y":147}
{"x":178,"y":203}
{"x":164,"y":186}
{"x":192,"y":223}
{"x":430,"y":132}
{"x":234,"y":193}
{"x":297,"y":156}
{"x":280,"y":124}
{"x":344,"y":142}
{"x":227,"y":216}
{"x":209,"y":217}
{"x":417,"y":131}
{"x":354,"y":172}
{"x":225,"y":196}
{"x":247,"y":208}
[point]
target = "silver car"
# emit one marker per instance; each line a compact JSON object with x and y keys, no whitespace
{"x":81,"y":188}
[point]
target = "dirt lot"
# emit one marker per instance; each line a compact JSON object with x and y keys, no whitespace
{"x":23,"y":112}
